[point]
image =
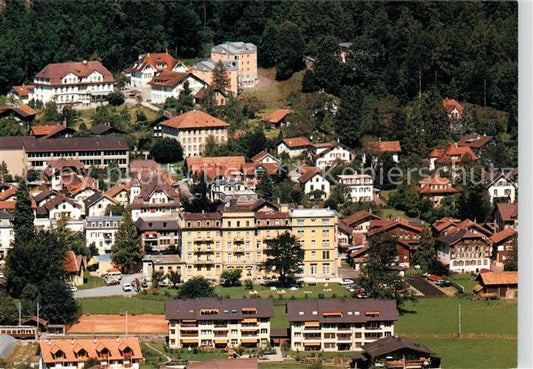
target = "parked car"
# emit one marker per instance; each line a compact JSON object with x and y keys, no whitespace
{"x":112,"y":282}
{"x":73,"y":288}
{"x":346,"y":281}
{"x":364,"y":295}
{"x":145,"y":284}
{"x":294,"y":288}
{"x":127,"y":287}
{"x":443,"y":283}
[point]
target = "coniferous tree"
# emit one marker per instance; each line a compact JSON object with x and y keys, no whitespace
{"x":284,"y":256}
{"x":347,"y":122}
{"x":265,"y":189}
{"x":268,"y":52}
{"x":290,"y":46}
{"x":127,"y":251}
{"x":196,"y":287}
{"x":220,"y":77}
{"x":23,"y":216}
{"x":426,"y":253}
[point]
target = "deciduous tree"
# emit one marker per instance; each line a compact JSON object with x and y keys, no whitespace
{"x":196,"y":287}
{"x":284,"y":256}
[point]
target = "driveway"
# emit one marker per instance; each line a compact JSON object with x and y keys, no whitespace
{"x":109,"y":290}
{"x":424,"y":286}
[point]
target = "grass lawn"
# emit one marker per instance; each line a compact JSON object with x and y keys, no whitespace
{"x":279,"y":320}
{"x":118,"y":304}
{"x":92,"y":282}
{"x":264,"y":291}
{"x":393,"y":213}
{"x":275,"y":93}
{"x":440,"y":317}
{"x":466,"y":280}
{"x":476,"y":353}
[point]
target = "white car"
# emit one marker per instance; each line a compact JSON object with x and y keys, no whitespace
{"x":346,"y":281}
{"x":127,"y":287}
{"x":73,"y":288}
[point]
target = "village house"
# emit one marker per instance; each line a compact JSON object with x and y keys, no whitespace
{"x":60,"y":207}
{"x":245,"y":56}
{"x":21,"y":93}
{"x":218,"y":322}
{"x":278,"y":118}
{"x":294,"y":147}
{"x":376,"y":149}
{"x":506,"y":216}
{"x":464,"y":251}
{"x":97,"y":204}
{"x":500,"y":186}
{"x":56,"y":170}
{"x":395,"y":352}
{"x":78,"y":84}
{"x":264,"y":157}
{"x":497,"y":285}
{"x":253,"y":172}
{"x":476,"y":142}
{"x":334,"y":153}
{"x":159,"y":234}
{"x":360,"y":187}
{"x":119,"y":193}
{"x":170,"y":84}
{"x":22,"y":113}
{"x":449,"y":156}
{"x":314,"y":184}
{"x":503,"y":243}
{"x":339,"y":324}
{"x":162,"y":263}
{"x":52,"y":130}
{"x":352,"y":230}
{"x":150,"y":64}
{"x":205,"y":70}
{"x":105,"y":129}
{"x":224,"y":189}
{"x":435,"y":188}
{"x":192,"y":129}
{"x":454,"y":110}
{"x":155,"y":199}
{"x":74,"y":266}
{"x":112,"y":353}
{"x":101,"y":232}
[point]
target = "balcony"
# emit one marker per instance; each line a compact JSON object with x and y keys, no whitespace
{"x":204,"y":240}
{"x":343,"y":337}
{"x":189,"y":334}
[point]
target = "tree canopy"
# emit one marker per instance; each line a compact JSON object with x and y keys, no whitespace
{"x":284,"y":256}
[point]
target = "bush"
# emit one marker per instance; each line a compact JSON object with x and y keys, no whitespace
{"x":166,"y":150}
{"x":248,"y":284}
{"x":321,"y":296}
{"x":115,"y":98}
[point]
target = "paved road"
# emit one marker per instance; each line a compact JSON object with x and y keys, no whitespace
{"x":109,"y":290}
{"x":424,"y":286}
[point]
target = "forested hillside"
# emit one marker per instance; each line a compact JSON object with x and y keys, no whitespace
{"x":466,"y":50}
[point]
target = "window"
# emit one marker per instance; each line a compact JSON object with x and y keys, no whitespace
{"x":313,"y":255}
{"x":313,"y":269}
{"x":325,"y":255}
{"x":325,"y":268}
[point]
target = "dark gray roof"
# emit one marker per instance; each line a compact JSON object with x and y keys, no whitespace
{"x":229,"y":309}
{"x":157,"y":225}
{"x":390,"y":344}
{"x":453,"y":238}
{"x":5,"y":215}
{"x":32,"y":144}
{"x":102,"y":129}
{"x":44,"y":195}
{"x":89,"y":201}
{"x":353,"y":311}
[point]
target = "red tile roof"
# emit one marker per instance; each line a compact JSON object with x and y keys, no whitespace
{"x":276,"y":116}
{"x":55,"y":72}
{"x":451,"y":150}
{"x":443,"y":223}
{"x":425,"y":185}
{"x":474,"y":140}
{"x":47,"y":129}
{"x":153,"y":59}
{"x":194,"y":119}
{"x":450,"y":104}
{"x":168,"y":78}
{"x":308,"y":173}
{"x":70,"y":348}
{"x":260,"y":156}
{"x":12,"y":191}
{"x":23,"y":91}
{"x":297,"y":142}
{"x":508,"y":210}
{"x":503,"y":235}
{"x":496,"y":278}
{"x":359,"y":216}
{"x":384,"y":146}
{"x":72,"y":262}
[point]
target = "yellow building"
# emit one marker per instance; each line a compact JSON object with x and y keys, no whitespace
{"x":234,"y":238}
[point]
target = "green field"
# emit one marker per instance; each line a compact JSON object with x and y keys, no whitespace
{"x":474,"y":353}
{"x":329,"y":291}
{"x":440,"y":317}
{"x":118,"y":304}
{"x":92,"y":282}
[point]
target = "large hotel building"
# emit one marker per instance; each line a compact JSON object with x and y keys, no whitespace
{"x":234,"y":238}
{"x":217,"y":322}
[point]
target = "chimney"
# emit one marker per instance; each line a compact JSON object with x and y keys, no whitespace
{"x":84,"y":61}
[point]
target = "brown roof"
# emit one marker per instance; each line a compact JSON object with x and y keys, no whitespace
{"x":168,"y":78}
{"x":385,"y":225}
{"x":25,"y":110}
{"x":23,"y":91}
{"x":247,"y":363}
{"x":153,"y":59}
{"x":444,"y":223}
{"x":10,"y":192}
{"x":508,"y":210}
{"x":55,"y":72}
{"x":391,"y":344}
{"x":144,"y":165}
{"x":503,"y":235}
{"x":59,"y":199}
{"x":453,"y":238}
{"x":359,"y":216}
{"x":61,"y":163}
{"x":47,"y":129}
{"x":496,"y":278}
{"x":474,"y":140}
{"x":115,"y":346}
{"x":193,"y":120}
{"x":202,"y":216}
{"x":449,"y":104}
{"x":384,"y":146}
{"x":227,"y":308}
{"x":352,"y":311}
{"x":257,"y":157}
{"x":115,"y":190}
{"x":277,"y":115}
{"x":249,"y":169}
{"x":296,"y":142}
{"x":72,"y":262}
{"x":78,"y":144}
{"x":309,"y":173}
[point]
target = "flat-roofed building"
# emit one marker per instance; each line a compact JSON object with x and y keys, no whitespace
{"x":339,"y":324}
{"x":361,"y":186}
{"x":217,"y":322}
{"x":101,"y":231}
{"x":159,"y":233}
{"x":245,"y":56}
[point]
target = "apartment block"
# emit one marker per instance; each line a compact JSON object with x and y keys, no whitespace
{"x":316,"y":230}
{"x":218,"y":322}
{"x":101,"y":231}
{"x":361,"y":186}
{"x":159,"y":234}
{"x":245,"y":56}
{"x":339,"y":324}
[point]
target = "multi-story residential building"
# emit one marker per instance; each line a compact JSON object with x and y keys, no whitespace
{"x":79,"y":84}
{"x":316,"y":230}
{"x":339,"y":324}
{"x":465,"y":251}
{"x":506,"y":216}
{"x":111,"y":353}
{"x":97,"y":204}
{"x":159,"y":234}
{"x":154,"y":199}
{"x":376,"y":149}
{"x":294,"y":147}
{"x":435,"y":188}
{"x":504,"y":243}
{"x":60,"y":207}
{"x":245,"y":56}
{"x":477,"y":142}
{"x":150,"y":64}
{"x":330,"y":154}
{"x":101,"y":231}
{"x":314,"y":184}
{"x":205,"y":70}
{"x":192,"y":129}
{"x":21,"y":153}
{"x":217,"y":322}
{"x":170,"y":84}
{"x":361,"y":186}
{"x":449,"y":156}
{"x":7,"y":234}
{"x":164,"y":263}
